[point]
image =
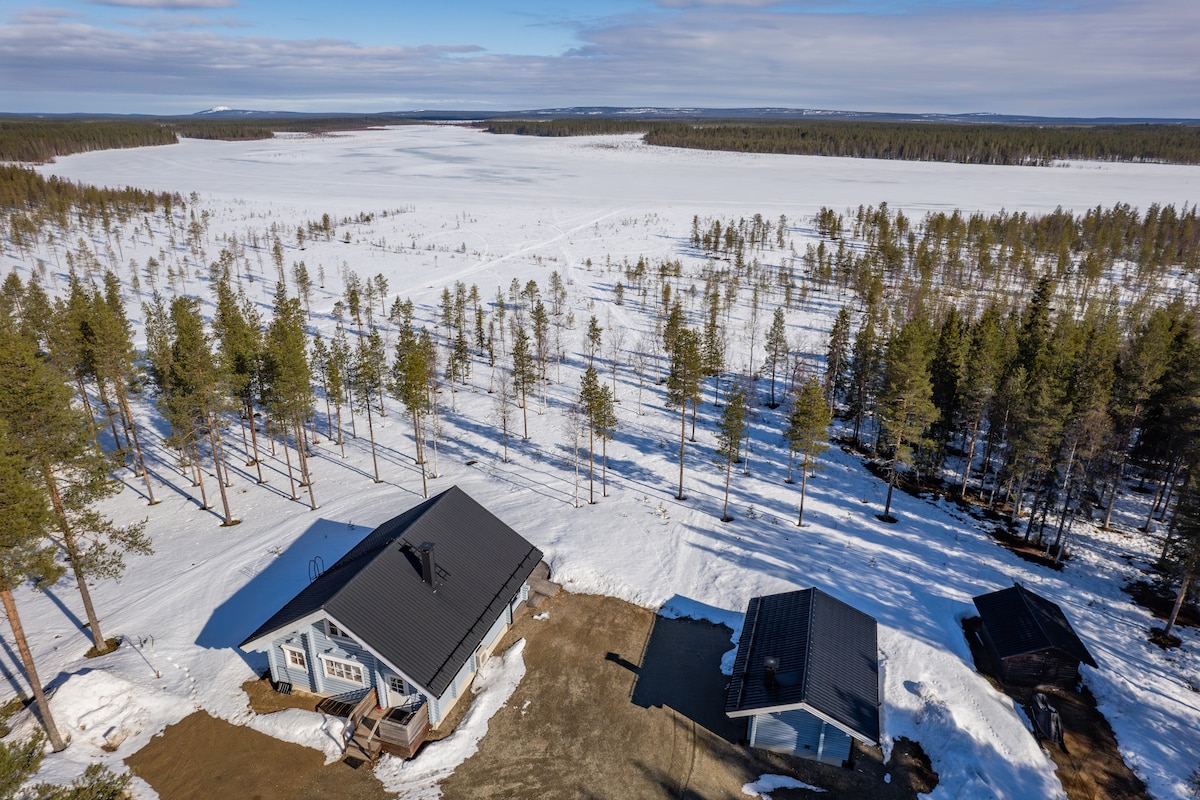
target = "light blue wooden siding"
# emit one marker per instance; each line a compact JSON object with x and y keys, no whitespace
{"x":521,"y":597}
{"x":318,"y":643}
{"x":495,"y":631}
{"x":801,"y":733}
{"x":435,"y":710}
{"x":836,"y":747}
{"x":282,"y":671}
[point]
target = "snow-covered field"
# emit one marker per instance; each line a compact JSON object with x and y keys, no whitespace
{"x":463,"y":205}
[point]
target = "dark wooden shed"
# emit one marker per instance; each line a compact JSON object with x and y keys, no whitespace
{"x":1029,"y":640}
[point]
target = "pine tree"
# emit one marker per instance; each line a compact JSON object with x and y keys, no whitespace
{"x":409,"y":384}
{"x":777,"y":349}
{"x":288,"y":381}
{"x":683,"y":386}
{"x":590,"y":403}
{"x":116,"y":361}
{"x":524,"y":372}
{"x":54,"y":437}
{"x":25,"y":520}
{"x":729,"y":436}
{"x":593,"y":340}
{"x":807,"y":432}
{"x":1184,"y":547}
{"x":905,"y":399}
{"x":713,"y":343}
{"x":864,"y":377}
{"x":837,"y":357}
{"x":192,"y":396}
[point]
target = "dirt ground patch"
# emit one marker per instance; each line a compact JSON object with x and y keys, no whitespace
{"x":602,"y":712}
{"x":578,"y":727}
{"x":1088,"y":764}
{"x":202,"y":757}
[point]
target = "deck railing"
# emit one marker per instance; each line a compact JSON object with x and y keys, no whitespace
{"x":365,"y":706}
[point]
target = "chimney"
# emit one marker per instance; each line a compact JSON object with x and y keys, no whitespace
{"x":770,"y":667}
{"x":427,"y":563}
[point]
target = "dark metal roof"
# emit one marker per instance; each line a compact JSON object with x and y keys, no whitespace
{"x":376,"y":591}
{"x":1020,"y":622}
{"x":828,"y":660}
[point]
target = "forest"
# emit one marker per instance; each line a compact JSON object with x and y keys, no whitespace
{"x":908,"y":141}
{"x":1028,"y":366}
{"x":38,"y":140}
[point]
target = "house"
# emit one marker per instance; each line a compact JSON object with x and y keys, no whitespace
{"x":1028,"y":639}
{"x":807,"y":676}
{"x":397,"y":628}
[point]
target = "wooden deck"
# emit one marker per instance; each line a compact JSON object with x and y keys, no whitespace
{"x":372,"y":730}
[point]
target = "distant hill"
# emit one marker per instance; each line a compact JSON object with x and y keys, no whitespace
{"x":687,"y":113}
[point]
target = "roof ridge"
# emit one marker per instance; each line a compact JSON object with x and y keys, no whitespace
{"x":374,"y":554}
{"x":1036,"y":612}
{"x":808,"y":643}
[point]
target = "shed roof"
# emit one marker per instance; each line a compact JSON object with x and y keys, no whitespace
{"x":827,"y":661}
{"x":377,"y":593}
{"x":1019,"y":622}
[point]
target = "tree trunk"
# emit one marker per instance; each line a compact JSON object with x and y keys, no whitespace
{"x":212,"y":438}
{"x":420,"y":455}
{"x":87,"y":407}
{"x":591,"y":465}
{"x":288,"y":457}
{"x":524,"y":410}
{"x":328,"y":411}
{"x":966,"y":474}
{"x":804,"y":485}
{"x":1183,"y":590}
{"x":305,"y":475}
{"x":682,"y":440}
{"x":137,"y":449}
{"x":35,"y":683}
{"x":69,"y":544}
{"x":1148,"y":527}
{"x":199,"y":474}
{"x":604,"y":466}
{"x":728,"y":471}
{"x":254,"y":438}
{"x":371,"y":431}
{"x":111,"y":413}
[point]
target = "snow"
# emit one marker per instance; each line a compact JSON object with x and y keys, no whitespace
{"x":463,"y":205}
{"x":767,"y":783}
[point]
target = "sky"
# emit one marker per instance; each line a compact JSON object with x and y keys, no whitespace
{"x":1086,"y":58}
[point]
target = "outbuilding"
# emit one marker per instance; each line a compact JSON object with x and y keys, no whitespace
{"x":806,"y":675}
{"x":1028,"y":639}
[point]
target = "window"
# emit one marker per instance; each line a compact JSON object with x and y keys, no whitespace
{"x":397,"y":685}
{"x":294,"y":658}
{"x":334,"y":630}
{"x":343,"y":670}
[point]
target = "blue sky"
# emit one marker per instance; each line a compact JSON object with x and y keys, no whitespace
{"x":1044,"y":57}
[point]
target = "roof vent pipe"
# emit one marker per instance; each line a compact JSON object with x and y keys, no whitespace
{"x":427,"y":563}
{"x":770,"y":667}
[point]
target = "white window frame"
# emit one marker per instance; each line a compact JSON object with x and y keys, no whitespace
{"x":398,"y":685}
{"x":335,"y":632}
{"x":348,"y":668}
{"x":290,"y":654}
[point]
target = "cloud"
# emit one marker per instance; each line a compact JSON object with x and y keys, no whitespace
{"x":44,"y":16}
{"x":174,"y":22}
{"x":167,"y":5}
{"x":1110,"y":57}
